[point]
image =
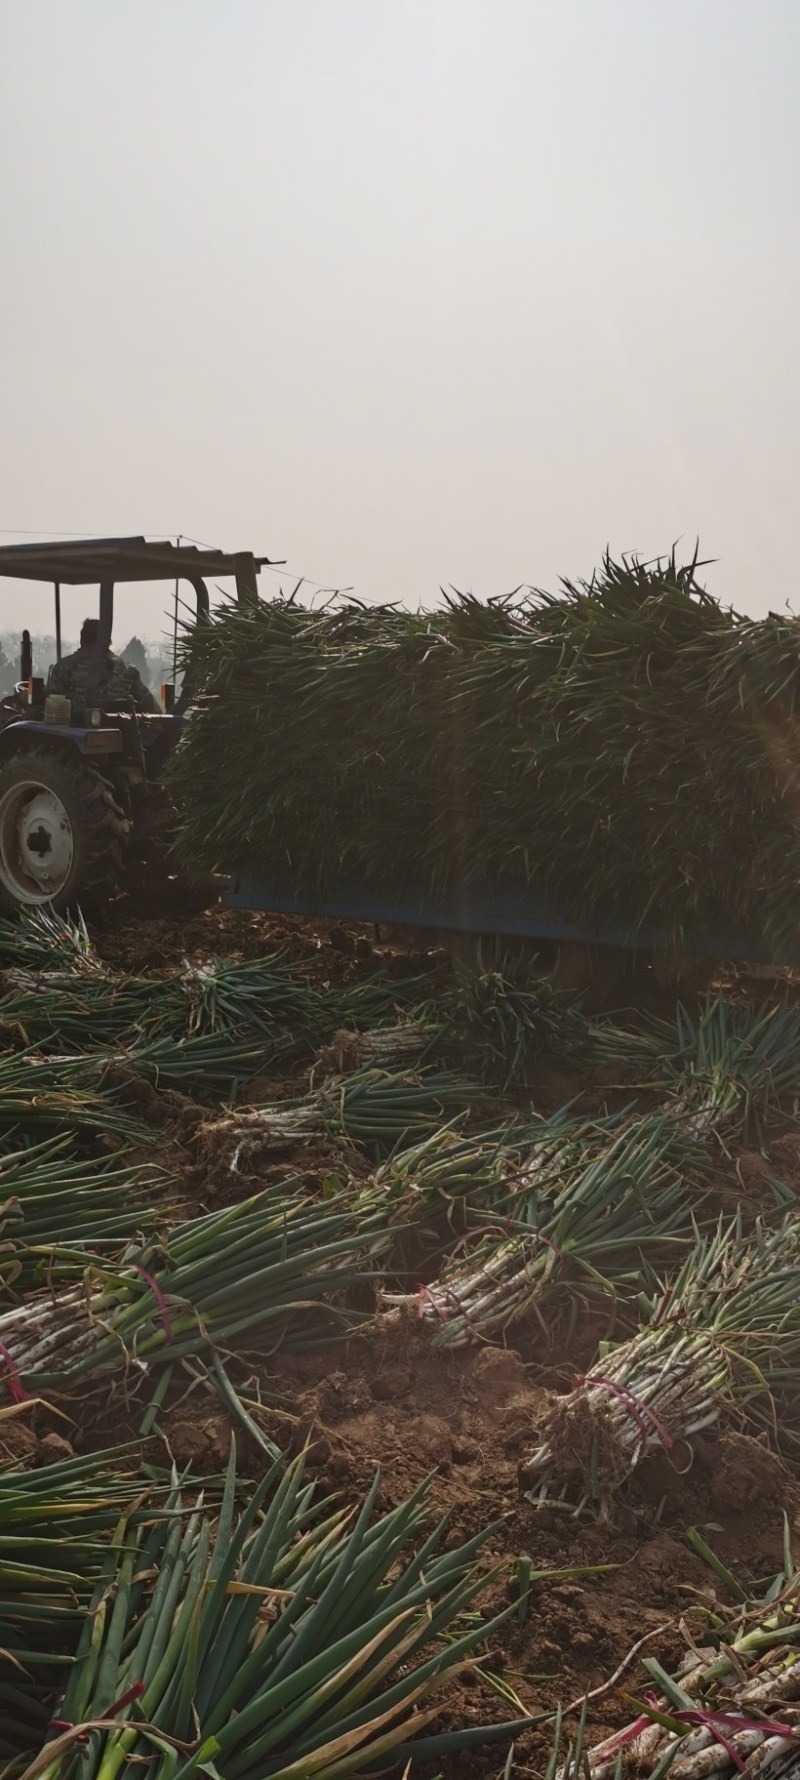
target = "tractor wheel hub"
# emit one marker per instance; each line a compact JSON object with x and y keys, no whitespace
{"x":37,"y":846}
{"x":45,"y":838}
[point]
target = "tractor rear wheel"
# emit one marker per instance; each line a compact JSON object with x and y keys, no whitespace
{"x":61,"y":832}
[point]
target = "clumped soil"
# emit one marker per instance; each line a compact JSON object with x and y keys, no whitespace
{"x":391,"y":1400}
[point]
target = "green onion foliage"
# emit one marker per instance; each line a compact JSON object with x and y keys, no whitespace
{"x":274,"y":1642}
{"x":58,"y":1525}
{"x":51,"y":1198}
{"x":628,"y":746}
{"x":40,"y":1095}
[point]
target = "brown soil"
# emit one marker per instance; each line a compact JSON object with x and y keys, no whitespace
{"x":134,"y":939}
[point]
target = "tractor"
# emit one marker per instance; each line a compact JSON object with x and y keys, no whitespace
{"x":82,"y":811}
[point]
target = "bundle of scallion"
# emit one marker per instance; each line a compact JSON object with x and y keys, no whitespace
{"x":722,"y":1337}
{"x":38,"y":1093}
{"x":733,"y":1706}
{"x":445,"y":1171}
{"x":205,"y":1062}
{"x":273,"y":1644}
{"x":378,"y":1000}
{"x":51,"y":1198}
{"x":591,"y":1211}
{"x":403,"y":1043}
{"x":494,"y":1022}
{"x":277,"y":1267}
{"x":39,"y":939}
{"x":422,"y":1198}
{"x":57,"y":1524}
{"x":504,"y":1025}
{"x":630,"y":720}
{"x":56,"y":1009}
{"x":262,"y":997}
{"x":379,"y":1108}
{"x":732,"y":1066}
{"x":262,"y":1006}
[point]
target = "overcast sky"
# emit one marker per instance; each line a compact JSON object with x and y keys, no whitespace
{"x":404,"y":291}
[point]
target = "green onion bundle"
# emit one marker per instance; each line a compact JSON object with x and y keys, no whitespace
{"x":205,"y":1062}
{"x":276,"y":1267}
{"x":274,"y":1643}
{"x":490,"y":1021}
{"x":628,"y":1196}
{"x":39,"y":1094}
{"x":50,"y":1198}
{"x":733,"y":1066}
{"x":505,"y":1026}
{"x":55,"y":1009}
{"x":724,"y":1335}
{"x":381,"y":1109}
{"x":629,"y":721}
{"x":421,"y":1200}
{"x":263,"y":996}
{"x":732,"y":1707}
{"x":39,"y":939}
{"x":444,"y":1171}
{"x":264,"y":1005}
{"x":57,"y":1525}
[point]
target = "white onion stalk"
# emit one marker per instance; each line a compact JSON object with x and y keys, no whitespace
{"x":384,"y":1046}
{"x":258,"y":1130}
{"x":661,"y":1387}
{"x":470,"y":1303}
{"x":700,"y":1754}
{"x":50,"y":1334}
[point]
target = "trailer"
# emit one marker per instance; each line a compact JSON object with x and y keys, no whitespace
{"x":572,"y":954}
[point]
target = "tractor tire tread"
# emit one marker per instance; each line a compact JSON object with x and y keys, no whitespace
{"x":103,"y":825}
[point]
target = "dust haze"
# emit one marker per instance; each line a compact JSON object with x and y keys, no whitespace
{"x":448,"y":291}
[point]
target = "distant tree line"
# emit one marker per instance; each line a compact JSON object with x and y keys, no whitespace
{"x":152,"y":660}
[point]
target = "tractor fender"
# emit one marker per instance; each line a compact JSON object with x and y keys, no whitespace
{"x":93,"y":743}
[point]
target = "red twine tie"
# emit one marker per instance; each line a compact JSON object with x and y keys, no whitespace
{"x":639,"y":1412}
{"x":163,"y":1307}
{"x":126,"y":1699}
{"x":12,"y":1378}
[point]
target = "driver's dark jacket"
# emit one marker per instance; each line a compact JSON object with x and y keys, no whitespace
{"x":120,"y":684}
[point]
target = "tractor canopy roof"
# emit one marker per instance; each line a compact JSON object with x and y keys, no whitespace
{"x":86,"y":560}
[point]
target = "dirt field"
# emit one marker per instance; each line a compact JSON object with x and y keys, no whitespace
{"x":390,"y":1399}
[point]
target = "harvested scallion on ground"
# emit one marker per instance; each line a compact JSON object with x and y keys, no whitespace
{"x":723,"y":1335}
{"x":243,"y":1646}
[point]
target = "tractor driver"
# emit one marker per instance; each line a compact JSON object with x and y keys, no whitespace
{"x":121,"y":683}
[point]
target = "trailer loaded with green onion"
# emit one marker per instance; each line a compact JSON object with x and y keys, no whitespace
{"x":616,"y":765}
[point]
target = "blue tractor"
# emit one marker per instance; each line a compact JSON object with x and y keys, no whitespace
{"x":81,"y":806}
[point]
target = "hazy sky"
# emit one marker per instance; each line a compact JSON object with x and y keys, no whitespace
{"x":405,"y":291}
